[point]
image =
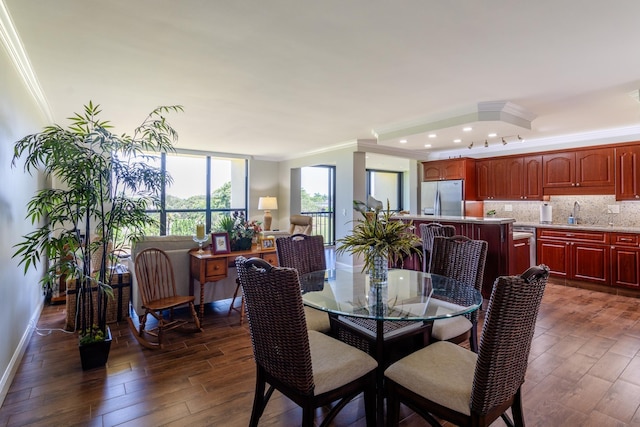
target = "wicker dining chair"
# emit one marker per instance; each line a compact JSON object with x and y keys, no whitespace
{"x":309,"y":367}
{"x":157,"y":288}
{"x":462,"y":259}
{"x":468,"y":389}
{"x":306,"y":254}
{"x":427,"y":232}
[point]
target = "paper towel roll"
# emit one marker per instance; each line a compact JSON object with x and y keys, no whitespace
{"x":545,"y":214}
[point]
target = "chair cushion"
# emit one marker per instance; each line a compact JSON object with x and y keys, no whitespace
{"x":336,"y":363}
{"x":442,"y":372}
{"x":445,"y":329}
{"x":317,"y":320}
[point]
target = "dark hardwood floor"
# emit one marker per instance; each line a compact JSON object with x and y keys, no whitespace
{"x":584,"y":371}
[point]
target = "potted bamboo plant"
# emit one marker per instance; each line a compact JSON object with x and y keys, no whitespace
{"x":379,"y":239}
{"x":105,"y":183}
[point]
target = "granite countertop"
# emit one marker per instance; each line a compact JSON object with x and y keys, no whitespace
{"x":464,"y":219}
{"x":584,"y":227}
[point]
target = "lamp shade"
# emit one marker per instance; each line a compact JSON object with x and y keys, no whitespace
{"x":267,"y":203}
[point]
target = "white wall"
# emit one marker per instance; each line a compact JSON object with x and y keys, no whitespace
{"x":20,"y":294}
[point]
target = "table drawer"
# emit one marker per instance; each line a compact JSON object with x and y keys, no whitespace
{"x":271,"y":258}
{"x":215,"y":269}
{"x":622,"y":239}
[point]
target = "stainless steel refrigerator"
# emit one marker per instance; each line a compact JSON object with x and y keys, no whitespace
{"x":442,"y":198}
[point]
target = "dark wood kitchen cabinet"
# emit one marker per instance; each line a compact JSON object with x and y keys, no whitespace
{"x":579,"y":172}
{"x":628,"y":172}
{"x":575,"y":255}
{"x":509,"y":178}
{"x":438,"y":170}
{"x":625,"y":260}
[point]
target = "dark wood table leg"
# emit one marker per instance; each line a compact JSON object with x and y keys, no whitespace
{"x":380,"y":372}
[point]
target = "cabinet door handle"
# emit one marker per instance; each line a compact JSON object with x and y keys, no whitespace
{"x":573,"y":184}
{"x":578,"y":185}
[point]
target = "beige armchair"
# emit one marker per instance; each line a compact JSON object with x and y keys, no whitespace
{"x":300,"y":224}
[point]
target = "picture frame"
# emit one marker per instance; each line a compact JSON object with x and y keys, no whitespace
{"x":220,"y":243}
{"x":268,"y":243}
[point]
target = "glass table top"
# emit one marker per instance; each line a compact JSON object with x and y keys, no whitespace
{"x":408,"y":295}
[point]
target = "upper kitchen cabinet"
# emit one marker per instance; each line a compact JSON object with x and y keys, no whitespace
{"x":509,"y":178}
{"x":448,"y":169}
{"x":628,"y":172}
{"x":579,"y":172}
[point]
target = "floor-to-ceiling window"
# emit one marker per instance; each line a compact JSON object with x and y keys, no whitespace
{"x":318,"y":199}
{"x":204,"y":188}
{"x":385,"y":186}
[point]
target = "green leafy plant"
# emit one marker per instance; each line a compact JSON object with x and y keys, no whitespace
{"x":379,"y":235}
{"x":107,"y":182}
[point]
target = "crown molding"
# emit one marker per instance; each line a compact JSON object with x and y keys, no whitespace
{"x":18,"y":56}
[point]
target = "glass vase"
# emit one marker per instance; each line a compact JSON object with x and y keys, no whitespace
{"x":379,"y":271}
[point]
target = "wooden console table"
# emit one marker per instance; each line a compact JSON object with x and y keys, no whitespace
{"x":206,"y":267}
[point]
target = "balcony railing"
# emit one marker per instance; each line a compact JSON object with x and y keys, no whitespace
{"x":323,"y":224}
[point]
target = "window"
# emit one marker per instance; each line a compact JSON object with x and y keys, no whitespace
{"x":385,"y":185}
{"x":204,"y":188}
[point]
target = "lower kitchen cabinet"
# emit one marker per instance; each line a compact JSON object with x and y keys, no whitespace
{"x":575,"y":255}
{"x":625,"y":260}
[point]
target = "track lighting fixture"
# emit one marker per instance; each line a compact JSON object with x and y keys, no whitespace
{"x":503,"y":141}
{"x":470,"y":145}
{"x":520,"y":138}
{"x":486,"y":143}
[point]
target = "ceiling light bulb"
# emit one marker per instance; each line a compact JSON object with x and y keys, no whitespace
{"x":467,"y":129}
{"x":492,"y":135}
{"x":470,"y":145}
{"x":403,"y":141}
{"x":486,"y":143}
{"x":503,"y":141}
{"x":427,"y":145}
{"x":432,"y":135}
{"x":457,"y":141}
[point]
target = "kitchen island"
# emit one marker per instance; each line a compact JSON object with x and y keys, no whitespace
{"x":497,"y":232}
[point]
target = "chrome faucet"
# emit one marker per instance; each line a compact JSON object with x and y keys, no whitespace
{"x":576,"y":211}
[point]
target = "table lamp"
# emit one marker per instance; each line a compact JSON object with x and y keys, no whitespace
{"x":266,"y":204}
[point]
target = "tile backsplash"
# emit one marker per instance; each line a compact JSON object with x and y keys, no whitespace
{"x":592,"y":210}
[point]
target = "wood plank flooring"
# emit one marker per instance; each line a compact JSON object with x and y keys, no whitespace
{"x":584,"y":371}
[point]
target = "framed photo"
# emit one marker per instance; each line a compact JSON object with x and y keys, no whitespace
{"x":268,"y":243}
{"x":220,"y":243}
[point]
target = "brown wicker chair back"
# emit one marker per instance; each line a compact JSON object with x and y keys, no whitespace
{"x":276,"y":321}
{"x":460,"y":258}
{"x":427,"y":232}
{"x":506,"y":338}
{"x":302,"y":252}
{"x":157,"y":289}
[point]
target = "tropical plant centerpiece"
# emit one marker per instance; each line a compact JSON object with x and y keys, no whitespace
{"x":379,"y":239}
{"x":241,"y":232}
{"x":106,"y":182}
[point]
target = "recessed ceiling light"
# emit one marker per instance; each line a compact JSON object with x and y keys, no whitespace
{"x":427,"y":145}
{"x":457,"y":141}
{"x":467,"y":129}
{"x":492,"y":135}
{"x":403,"y":141}
{"x":432,"y":135}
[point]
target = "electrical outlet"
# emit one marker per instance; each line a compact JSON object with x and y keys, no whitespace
{"x":508,"y":208}
{"x":613,"y":209}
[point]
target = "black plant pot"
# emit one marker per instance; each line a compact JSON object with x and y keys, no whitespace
{"x":95,"y":354}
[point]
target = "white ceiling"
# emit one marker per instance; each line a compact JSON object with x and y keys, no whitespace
{"x":283,"y":78}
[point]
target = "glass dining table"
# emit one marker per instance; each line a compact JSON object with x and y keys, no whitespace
{"x":410,"y":298}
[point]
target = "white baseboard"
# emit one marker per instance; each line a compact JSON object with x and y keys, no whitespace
{"x":14,"y":363}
